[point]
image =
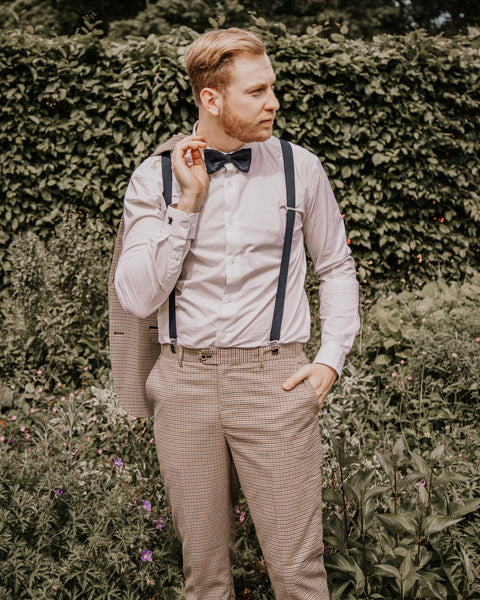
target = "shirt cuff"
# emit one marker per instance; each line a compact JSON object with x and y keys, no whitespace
{"x":180,"y":224}
{"x":333,"y":356}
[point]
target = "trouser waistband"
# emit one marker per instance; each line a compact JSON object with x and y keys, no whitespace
{"x":233,"y":356}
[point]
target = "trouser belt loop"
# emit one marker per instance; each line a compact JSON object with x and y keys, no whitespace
{"x":180,"y":355}
{"x":262,"y":357}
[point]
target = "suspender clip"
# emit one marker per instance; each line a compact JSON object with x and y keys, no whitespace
{"x":173,"y":346}
{"x":274,"y":347}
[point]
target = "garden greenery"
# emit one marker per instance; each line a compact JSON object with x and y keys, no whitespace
{"x":395,"y":122}
{"x":83,"y":511}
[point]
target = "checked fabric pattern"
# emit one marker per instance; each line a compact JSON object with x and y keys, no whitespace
{"x":221,"y":417}
{"x":134,"y":346}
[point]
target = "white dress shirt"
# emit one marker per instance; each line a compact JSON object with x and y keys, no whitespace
{"x":225,"y":260}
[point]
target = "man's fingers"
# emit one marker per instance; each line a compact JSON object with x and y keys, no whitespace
{"x":197,"y":156}
{"x":192,"y":143}
{"x":295,"y":379}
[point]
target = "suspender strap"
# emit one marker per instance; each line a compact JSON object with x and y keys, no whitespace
{"x":167,"y":194}
{"x":288,"y":166}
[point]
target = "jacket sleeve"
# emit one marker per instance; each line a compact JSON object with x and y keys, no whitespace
{"x":155,"y":242}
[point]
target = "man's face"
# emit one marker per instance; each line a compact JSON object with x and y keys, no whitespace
{"x":248,"y":104}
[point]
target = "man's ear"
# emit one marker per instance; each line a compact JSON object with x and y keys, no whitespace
{"x":211,"y":101}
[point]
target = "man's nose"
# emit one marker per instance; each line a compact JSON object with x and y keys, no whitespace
{"x":272,"y":102}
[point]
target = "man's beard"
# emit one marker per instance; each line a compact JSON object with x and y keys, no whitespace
{"x":244,"y":131}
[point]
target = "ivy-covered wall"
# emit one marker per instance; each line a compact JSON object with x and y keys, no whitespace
{"x":395,"y":121}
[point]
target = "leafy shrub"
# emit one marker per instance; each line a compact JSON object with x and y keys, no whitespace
{"x":57,"y":312}
{"x":426,"y":341}
{"x":401,"y":473}
{"x":385,"y":527}
{"x":81,"y":499}
{"x":77,"y":518}
{"x":395,"y":122}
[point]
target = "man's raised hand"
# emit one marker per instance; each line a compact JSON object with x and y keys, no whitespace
{"x":193,"y":178}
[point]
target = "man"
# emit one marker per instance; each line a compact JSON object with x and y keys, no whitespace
{"x":230,"y":403}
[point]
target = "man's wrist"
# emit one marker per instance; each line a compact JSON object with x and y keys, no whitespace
{"x":190,"y":204}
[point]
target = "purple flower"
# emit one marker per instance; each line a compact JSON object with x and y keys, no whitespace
{"x":147,"y":506}
{"x":422,"y":481}
{"x":160,"y":524}
{"x":118,"y":462}
{"x":146,"y":555}
{"x":11,"y":440}
{"x":59,"y":492}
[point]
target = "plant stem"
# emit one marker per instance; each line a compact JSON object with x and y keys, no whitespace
{"x":344,"y":506}
{"x":395,"y":486}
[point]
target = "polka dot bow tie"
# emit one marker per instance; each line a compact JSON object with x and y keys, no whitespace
{"x":215,"y":160}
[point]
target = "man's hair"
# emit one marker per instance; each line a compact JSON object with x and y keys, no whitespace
{"x":209,"y":58}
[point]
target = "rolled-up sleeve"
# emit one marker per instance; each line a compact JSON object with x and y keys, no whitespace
{"x":155,"y":242}
{"x":335,"y":268}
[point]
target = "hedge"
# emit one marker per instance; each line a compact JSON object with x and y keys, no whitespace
{"x":395,"y":121}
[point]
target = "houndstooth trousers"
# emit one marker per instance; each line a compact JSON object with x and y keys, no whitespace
{"x":222,"y":417}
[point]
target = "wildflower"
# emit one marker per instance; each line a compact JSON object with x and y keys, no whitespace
{"x":62,"y":399}
{"x":54,"y":409}
{"x":22,"y":429}
{"x":146,"y":555}
{"x":85,"y":368}
{"x":59,"y":384}
{"x":241,"y":517}
{"x":147,"y":506}
{"x":59,"y":492}
{"x":478,"y":339}
{"x":11,"y":440}
{"x":100,"y":451}
{"x":2,"y":438}
{"x":118,"y":462}
{"x":39,"y":372}
{"x":402,"y":362}
{"x":14,"y":417}
{"x":39,"y":390}
{"x":160,"y":524}
{"x":410,"y":378}
{"x":394,"y":374}
{"x":152,"y":441}
{"x":32,"y":410}
{"x":94,"y":418}
{"x":387,"y":387}
{"x":422,"y":481}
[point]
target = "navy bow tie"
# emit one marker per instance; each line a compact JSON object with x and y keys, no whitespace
{"x":215,"y":160}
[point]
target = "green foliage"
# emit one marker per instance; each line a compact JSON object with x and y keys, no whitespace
{"x":395,"y":122}
{"x":386,"y":526}
{"x":362,"y":18}
{"x":62,"y":16}
{"x":76,"y":511}
{"x":426,"y":342}
{"x":57,"y":312}
{"x":401,"y":480}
